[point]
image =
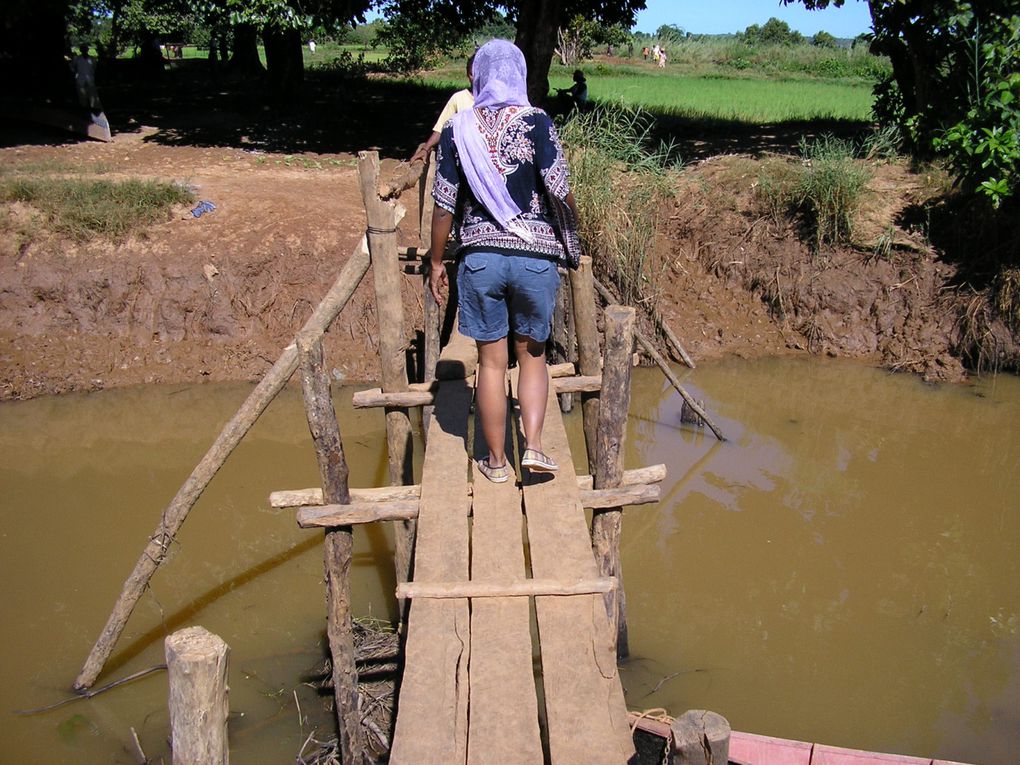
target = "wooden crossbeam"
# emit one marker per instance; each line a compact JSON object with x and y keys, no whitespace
{"x":331,"y":516}
{"x":375,"y":397}
{"x":313,"y":496}
{"x":524,"y":588}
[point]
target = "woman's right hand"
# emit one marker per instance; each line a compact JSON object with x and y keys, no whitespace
{"x":438,"y":280}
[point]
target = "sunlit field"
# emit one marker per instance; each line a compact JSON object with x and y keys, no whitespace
{"x":741,"y":97}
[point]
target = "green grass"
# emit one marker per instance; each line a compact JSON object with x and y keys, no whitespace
{"x":84,"y":208}
{"x":746,"y":97}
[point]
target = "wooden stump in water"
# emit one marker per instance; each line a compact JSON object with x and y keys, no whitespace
{"x":700,"y":738}
{"x":196,"y":661}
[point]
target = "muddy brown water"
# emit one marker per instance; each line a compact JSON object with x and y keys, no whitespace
{"x":843,"y":570}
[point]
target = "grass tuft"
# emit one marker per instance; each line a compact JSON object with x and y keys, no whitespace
{"x":84,"y":209}
{"x":620,"y":183}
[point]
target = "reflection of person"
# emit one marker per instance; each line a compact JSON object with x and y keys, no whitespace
{"x":458,"y":102}
{"x":502,"y":172}
{"x":84,"y":68}
{"x":577,"y":94}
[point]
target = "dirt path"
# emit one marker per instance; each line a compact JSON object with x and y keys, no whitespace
{"x":217,"y":297}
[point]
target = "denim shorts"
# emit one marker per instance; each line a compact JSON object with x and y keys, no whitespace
{"x":499,"y":293}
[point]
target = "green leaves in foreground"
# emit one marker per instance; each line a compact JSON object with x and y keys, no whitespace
{"x":84,"y":208}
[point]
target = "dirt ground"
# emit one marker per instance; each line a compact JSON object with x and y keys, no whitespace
{"x":218,"y":297}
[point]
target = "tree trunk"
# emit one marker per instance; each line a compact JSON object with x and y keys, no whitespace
{"x":284,"y":63}
{"x":244,"y":58}
{"x":537,"y":22}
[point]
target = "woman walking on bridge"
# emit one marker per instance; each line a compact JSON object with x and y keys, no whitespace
{"x":501,"y":176}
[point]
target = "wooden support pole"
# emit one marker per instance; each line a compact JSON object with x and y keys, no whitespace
{"x":517,"y":588}
{"x":339,"y":546}
{"x":649,"y":348}
{"x":612,"y":434}
{"x":177,"y":511}
{"x":582,"y":290}
{"x":700,"y":738}
{"x":196,"y":664}
{"x":382,"y":243}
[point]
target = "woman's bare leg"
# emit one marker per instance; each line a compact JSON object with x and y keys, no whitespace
{"x":491,"y":393}
{"x":532,"y":388}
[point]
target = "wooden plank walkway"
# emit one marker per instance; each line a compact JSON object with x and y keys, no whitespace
{"x":472,"y":692}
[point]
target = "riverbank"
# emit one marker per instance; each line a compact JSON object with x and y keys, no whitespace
{"x":217,"y":297}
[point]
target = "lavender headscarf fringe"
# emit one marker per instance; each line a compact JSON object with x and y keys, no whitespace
{"x":500,"y":79}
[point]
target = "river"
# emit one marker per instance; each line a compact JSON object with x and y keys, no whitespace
{"x":844,"y":569}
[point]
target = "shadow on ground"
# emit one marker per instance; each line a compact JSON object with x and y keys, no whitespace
{"x":335,"y":112}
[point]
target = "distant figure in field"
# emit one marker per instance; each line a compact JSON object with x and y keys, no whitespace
{"x":662,"y":58}
{"x":311,"y":47}
{"x":655,"y":53}
{"x":84,"y":68}
{"x":645,"y":52}
{"x":460,"y":101}
{"x":576,"y":96}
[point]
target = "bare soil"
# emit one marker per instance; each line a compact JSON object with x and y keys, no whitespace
{"x":217,"y":297}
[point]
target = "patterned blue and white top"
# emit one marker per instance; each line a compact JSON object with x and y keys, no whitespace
{"x":527,"y":150}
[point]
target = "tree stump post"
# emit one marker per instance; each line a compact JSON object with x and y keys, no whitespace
{"x":560,"y":346}
{"x":196,"y":663}
{"x":433,"y":319}
{"x":700,"y":737}
{"x":582,"y":290}
{"x":382,"y":244}
{"x":611,"y":437}
{"x":339,"y":546}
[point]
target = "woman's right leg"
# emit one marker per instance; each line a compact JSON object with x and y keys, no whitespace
{"x":491,"y":396}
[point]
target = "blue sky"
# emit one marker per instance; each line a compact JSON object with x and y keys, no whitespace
{"x":727,"y":16}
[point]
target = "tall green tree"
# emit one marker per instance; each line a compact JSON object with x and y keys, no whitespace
{"x":446,"y":22}
{"x":955,"y":84}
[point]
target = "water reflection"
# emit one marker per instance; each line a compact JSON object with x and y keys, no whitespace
{"x":843,"y":569}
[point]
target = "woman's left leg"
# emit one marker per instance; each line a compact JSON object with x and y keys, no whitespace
{"x":532,"y":388}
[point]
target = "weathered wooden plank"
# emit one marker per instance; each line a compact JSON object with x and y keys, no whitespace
{"x":313,"y":496}
{"x":632,"y":477}
{"x":822,"y":754}
{"x":504,"y":706}
{"x":432,"y":710}
{"x":424,"y":396}
{"x":354,"y":513}
{"x":525,"y":588}
{"x":585,"y":710}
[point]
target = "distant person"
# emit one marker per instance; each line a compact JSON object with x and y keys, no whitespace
{"x":662,"y":58}
{"x":311,"y":47}
{"x":645,"y":52}
{"x":460,"y":101}
{"x":655,"y":53}
{"x":84,"y":68}
{"x":576,"y":96}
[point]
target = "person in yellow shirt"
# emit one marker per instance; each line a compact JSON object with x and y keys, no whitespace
{"x":460,"y":101}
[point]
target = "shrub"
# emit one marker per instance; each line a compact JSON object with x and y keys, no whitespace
{"x":620,"y":184}
{"x":830,"y":189}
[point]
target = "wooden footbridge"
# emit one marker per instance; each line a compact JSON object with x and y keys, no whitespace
{"x":513,"y":611}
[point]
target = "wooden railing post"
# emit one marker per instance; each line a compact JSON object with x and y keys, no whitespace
{"x":339,"y":546}
{"x":433,"y":318}
{"x":382,"y":244}
{"x":582,"y":290}
{"x":562,"y":341}
{"x":196,"y":663}
{"x":611,"y":437}
{"x":700,"y":737}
